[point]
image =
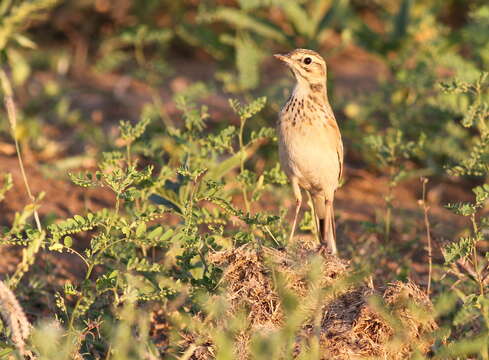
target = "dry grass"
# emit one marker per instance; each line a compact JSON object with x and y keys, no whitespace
{"x":15,"y":318}
{"x":353,"y":325}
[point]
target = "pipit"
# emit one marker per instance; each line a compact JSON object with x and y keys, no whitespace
{"x":310,"y":146}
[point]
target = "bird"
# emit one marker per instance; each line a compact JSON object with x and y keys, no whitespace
{"x":309,"y":142}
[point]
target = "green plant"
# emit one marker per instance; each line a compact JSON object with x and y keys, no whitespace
{"x":391,"y":151}
{"x":309,"y":24}
{"x":463,"y":258}
{"x":14,"y":234}
{"x":14,"y":15}
{"x":127,"y":243}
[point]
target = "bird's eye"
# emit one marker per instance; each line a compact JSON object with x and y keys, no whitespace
{"x":307,"y":60}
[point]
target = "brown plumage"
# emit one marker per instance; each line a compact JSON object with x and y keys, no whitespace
{"x":310,"y":146}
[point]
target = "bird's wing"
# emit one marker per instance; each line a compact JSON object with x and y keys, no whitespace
{"x":337,"y":142}
{"x":339,"y":151}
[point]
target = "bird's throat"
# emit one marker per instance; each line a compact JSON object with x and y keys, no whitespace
{"x":310,"y":92}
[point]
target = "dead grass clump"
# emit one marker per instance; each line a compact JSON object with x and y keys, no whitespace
{"x":343,"y":331}
{"x":193,"y":351}
{"x":248,"y":278}
{"x":355,"y":326}
{"x":248,"y":285}
{"x":415,"y":311}
{"x":356,"y":321}
{"x":159,"y":330}
{"x":296,"y":263}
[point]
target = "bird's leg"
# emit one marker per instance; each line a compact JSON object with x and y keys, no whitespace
{"x":329,"y":228}
{"x":298,"y":202}
{"x":316,"y":231}
{"x":325,"y":226}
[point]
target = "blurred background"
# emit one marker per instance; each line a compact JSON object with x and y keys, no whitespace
{"x":79,"y":67}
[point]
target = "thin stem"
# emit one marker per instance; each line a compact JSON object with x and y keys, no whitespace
{"x":139,"y":48}
{"x":475,"y":259}
{"x":202,"y":258}
{"x":12,"y":116}
{"x":73,"y":251}
{"x":77,"y":304}
{"x":189,"y":210}
{"x":92,"y":265}
{"x":116,"y":214}
{"x":388,"y":212}
{"x":242,"y":149}
{"x":167,"y":121}
{"x":242,"y":162}
{"x":101,"y":251}
{"x":428,"y":235}
{"x":129,"y":164}
{"x":128,"y":154}
{"x":29,"y":193}
{"x":271,"y":235}
{"x":109,"y":350}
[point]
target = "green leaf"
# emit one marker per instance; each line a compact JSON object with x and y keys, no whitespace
{"x":141,"y":229}
{"x":402,"y":20}
{"x":462,"y":208}
{"x":28,"y":258}
{"x":56,"y":247}
{"x":84,"y":179}
{"x":249,"y":110}
{"x":299,"y":18}
{"x":6,"y":186}
{"x":224,"y":167}
{"x":248,"y":59}
{"x":330,"y":14}
{"x":107,"y":281}
{"x":24,"y":41}
{"x":167,"y":235}
{"x":6,"y":351}
{"x":19,"y":65}
{"x":458,"y":249}
{"x":79,"y":219}
{"x":204,"y":38}
{"x":131,"y":133}
{"x":481,"y":194}
{"x":245,"y":21}
{"x":155,"y":233}
{"x":68,"y":241}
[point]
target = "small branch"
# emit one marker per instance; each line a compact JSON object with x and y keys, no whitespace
{"x":12,"y":116}
{"x":242,"y":162}
{"x":475,"y":260}
{"x":428,"y":234}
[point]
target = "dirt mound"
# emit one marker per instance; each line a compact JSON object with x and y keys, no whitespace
{"x":355,"y":321}
{"x":389,"y":325}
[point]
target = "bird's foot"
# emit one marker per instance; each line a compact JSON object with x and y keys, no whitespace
{"x":324,"y":250}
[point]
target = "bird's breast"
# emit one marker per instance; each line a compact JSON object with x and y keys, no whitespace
{"x":308,"y":149}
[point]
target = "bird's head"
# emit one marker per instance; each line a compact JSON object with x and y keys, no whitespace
{"x":308,"y":66}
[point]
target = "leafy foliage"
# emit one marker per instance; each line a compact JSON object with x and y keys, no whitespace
{"x":250,"y":28}
{"x":6,"y":185}
{"x":465,"y":250}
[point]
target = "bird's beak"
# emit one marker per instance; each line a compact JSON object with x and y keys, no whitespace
{"x":284,"y":58}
